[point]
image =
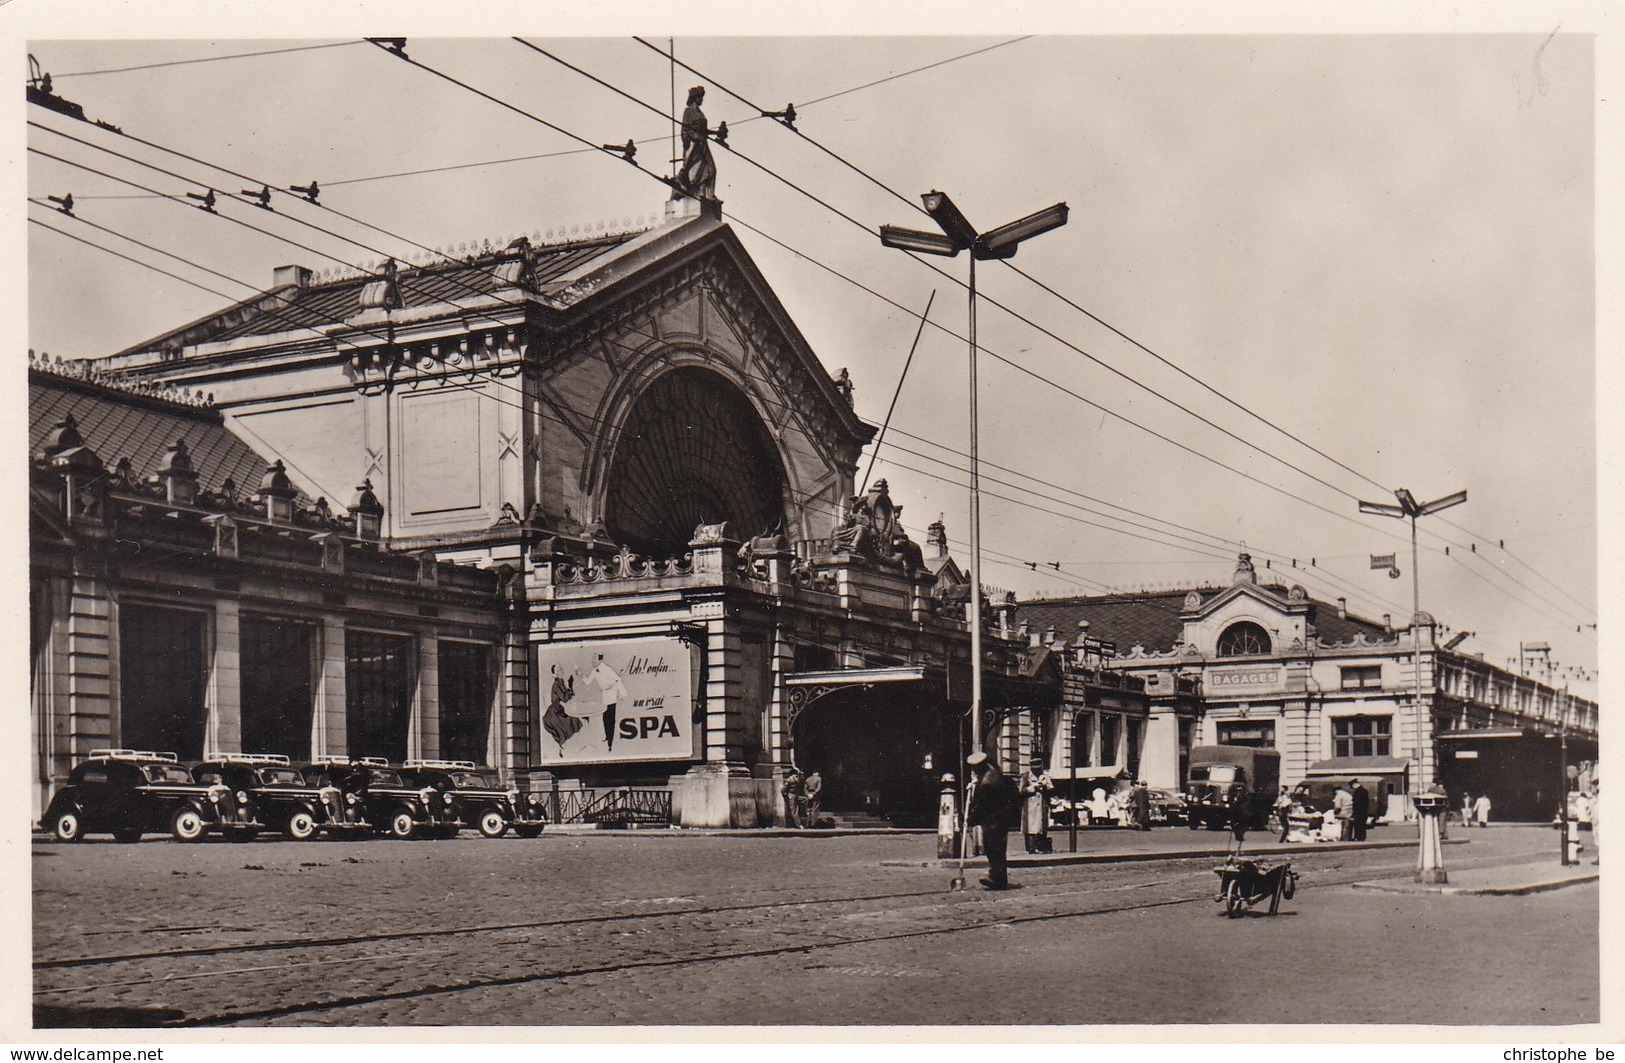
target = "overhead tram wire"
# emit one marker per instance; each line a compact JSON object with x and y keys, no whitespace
{"x":340,"y":182}
{"x":808,"y":499}
{"x":663,"y":181}
{"x":353,"y":266}
{"x":916,"y":206}
{"x":364,"y":272}
{"x":204,"y":59}
{"x":1058,"y":295}
{"x":856,"y":169}
{"x":943,"y":273}
{"x":543,"y":121}
{"x":815,"y":501}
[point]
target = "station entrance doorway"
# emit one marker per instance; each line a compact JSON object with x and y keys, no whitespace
{"x":880,"y":748}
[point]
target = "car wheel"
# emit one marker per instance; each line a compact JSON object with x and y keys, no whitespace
{"x":493,"y":824}
{"x":1289,"y":884}
{"x":301,"y":826}
{"x":68,"y":827}
{"x":187,"y":825}
{"x":402,"y":825}
{"x":127,"y":837}
{"x":528,"y":832}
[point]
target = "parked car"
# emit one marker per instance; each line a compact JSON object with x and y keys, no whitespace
{"x":383,"y":798}
{"x":131,"y":792}
{"x":1167,"y":806}
{"x":282,"y":799}
{"x":479,"y":796}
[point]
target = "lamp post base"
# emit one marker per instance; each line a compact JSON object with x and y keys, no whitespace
{"x":1433,"y":876}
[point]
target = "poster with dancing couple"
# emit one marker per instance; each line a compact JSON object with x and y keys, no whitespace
{"x":617,"y":700}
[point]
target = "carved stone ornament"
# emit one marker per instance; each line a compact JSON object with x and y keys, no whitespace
{"x":1193,"y":602}
{"x":710,"y":534}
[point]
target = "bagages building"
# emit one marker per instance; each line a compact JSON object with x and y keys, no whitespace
{"x":1255,"y":664}
{"x":607,"y":538}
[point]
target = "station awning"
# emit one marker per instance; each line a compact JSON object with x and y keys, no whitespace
{"x":1337,"y":766}
{"x":837,"y":677}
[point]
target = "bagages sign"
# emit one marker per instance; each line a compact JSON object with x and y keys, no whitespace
{"x":617,"y":701}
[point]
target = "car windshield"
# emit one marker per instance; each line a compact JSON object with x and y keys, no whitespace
{"x":473,"y":780}
{"x":1219,"y":773}
{"x":166,"y":773}
{"x":282,"y":777}
{"x":382,"y":777}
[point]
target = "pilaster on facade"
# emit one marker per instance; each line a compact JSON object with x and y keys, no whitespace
{"x":724,"y":687}
{"x":87,"y":674}
{"x":423,"y":730}
{"x":510,"y":744}
{"x":223,"y":715}
{"x":329,"y":722}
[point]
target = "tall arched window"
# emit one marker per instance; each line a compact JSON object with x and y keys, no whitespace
{"x":1245,"y":639}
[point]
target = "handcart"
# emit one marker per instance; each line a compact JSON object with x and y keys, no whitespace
{"x":1244,"y":883}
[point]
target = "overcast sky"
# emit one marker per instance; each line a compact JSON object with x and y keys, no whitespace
{"x":1381,"y":244}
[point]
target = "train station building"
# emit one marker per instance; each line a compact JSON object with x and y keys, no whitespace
{"x":1252,"y":663}
{"x":609,"y":536}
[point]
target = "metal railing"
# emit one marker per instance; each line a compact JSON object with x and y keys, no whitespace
{"x":618,"y":805}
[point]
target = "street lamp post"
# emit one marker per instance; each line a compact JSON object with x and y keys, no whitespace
{"x":959,"y":235}
{"x":1409,"y":508}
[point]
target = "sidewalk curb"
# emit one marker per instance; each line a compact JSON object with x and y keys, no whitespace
{"x":1477,"y":891}
{"x":1067,"y":859}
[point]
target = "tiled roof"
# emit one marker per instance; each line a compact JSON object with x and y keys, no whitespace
{"x":325,"y":304}
{"x":1153,"y":619}
{"x":117,"y":424}
{"x":1150,"y":620}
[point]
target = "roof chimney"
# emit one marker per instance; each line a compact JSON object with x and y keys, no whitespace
{"x":1342,"y":608}
{"x":295,"y":276}
{"x":1387,"y":621}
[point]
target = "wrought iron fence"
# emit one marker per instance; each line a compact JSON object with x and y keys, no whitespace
{"x":609,"y":807}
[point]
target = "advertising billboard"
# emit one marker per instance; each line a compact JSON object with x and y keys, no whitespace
{"x":617,"y":700}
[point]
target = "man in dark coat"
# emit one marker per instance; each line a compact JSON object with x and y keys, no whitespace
{"x":1362,"y":810}
{"x":995,"y":806}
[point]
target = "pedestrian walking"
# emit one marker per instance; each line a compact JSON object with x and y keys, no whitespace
{"x":995,"y":806}
{"x":795,"y":798}
{"x":1036,"y":786}
{"x":1481,"y":810}
{"x":1438,"y":790}
{"x":814,"y":784}
{"x":1343,"y":810}
{"x":1361,"y":813}
{"x":1283,"y":812}
{"x":1466,"y":810}
{"x":1141,"y":799}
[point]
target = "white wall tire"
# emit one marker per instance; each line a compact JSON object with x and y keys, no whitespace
{"x":302,"y":826}
{"x":68,"y":827}
{"x":187,"y":825}
{"x":493,"y":824}
{"x":402,"y":825}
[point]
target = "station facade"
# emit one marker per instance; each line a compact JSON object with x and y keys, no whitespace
{"x":1254,"y":664}
{"x":623,"y":443}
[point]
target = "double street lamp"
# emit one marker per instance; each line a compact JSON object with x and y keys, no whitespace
{"x":959,"y":235}
{"x":1409,"y":509}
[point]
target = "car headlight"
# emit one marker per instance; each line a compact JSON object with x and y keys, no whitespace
{"x":215,"y":796}
{"x":242,"y":797}
{"x":447,"y":798}
{"x":351,"y":799}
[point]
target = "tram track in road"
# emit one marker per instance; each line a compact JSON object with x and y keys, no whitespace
{"x":947,"y":915}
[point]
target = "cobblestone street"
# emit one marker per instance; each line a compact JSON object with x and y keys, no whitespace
{"x":649,"y":928}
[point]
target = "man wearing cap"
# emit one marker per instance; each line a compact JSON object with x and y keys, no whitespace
{"x":994,"y":805}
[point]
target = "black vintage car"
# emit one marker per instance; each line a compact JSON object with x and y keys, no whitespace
{"x":282,"y":799}
{"x":131,"y":792}
{"x":390,"y":803}
{"x":479,"y":796}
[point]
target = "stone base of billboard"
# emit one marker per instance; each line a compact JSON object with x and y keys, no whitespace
{"x":716,"y":795}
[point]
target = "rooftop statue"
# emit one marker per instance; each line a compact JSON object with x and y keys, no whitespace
{"x":698,"y":177}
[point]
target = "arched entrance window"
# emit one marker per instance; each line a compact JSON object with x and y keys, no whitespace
{"x":693,"y":451}
{"x":1245,"y":639}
